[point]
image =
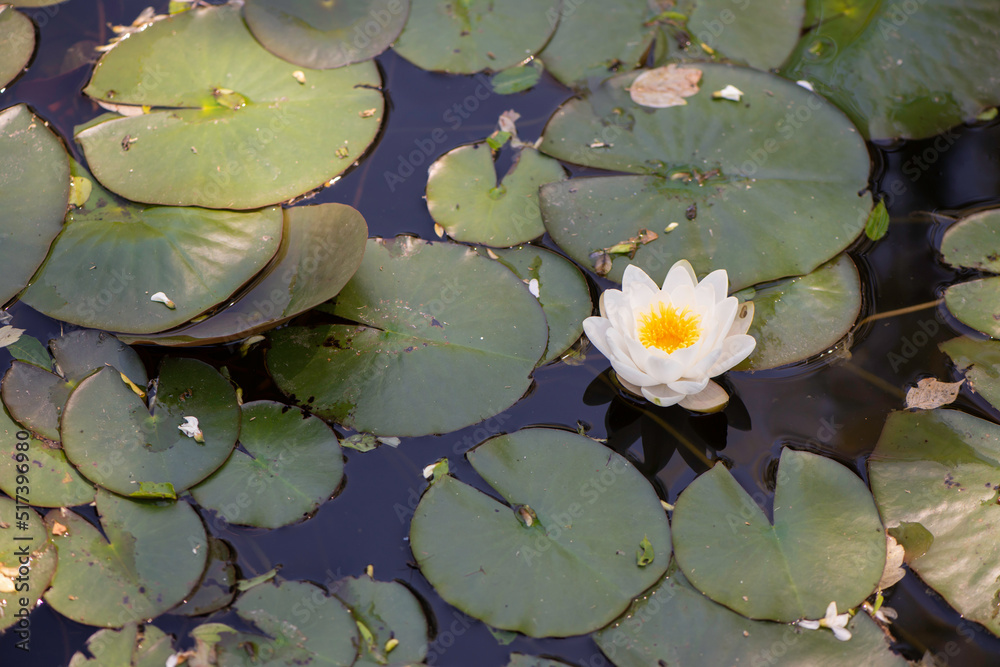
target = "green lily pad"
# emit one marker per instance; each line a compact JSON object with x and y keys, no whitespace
{"x":562,"y":291}
{"x":304,"y":626}
{"x":979,"y":360}
{"x":113,"y":256}
{"x":36,"y":397}
{"x":119,"y":442}
{"x":901,"y":70}
{"x":217,"y":587}
{"x":940,"y":469}
{"x":152,"y":558}
{"x":324,"y":35}
{"x":974,"y":242}
{"x":54,"y":480}
{"x":17,"y":43}
{"x":464,"y":197}
{"x":557,"y":555}
{"x":797,"y":318}
{"x":387,"y":610}
{"x":468,"y":36}
{"x":291,"y":466}
{"x":517,"y":79}
{"x":22,"y":535}
{"x":126,"y":648}
{"x":825,"y":524}
{"x":230,"y":125}
{"x":594,"y":38}
{"x":741,"y":180}
{"x":761,"y":35}
{"x":432,"y":352}
{"x":676,"y":624}
{"x":34,"y":161}
{"x":321,"y":248}
{"x":976,"y":304}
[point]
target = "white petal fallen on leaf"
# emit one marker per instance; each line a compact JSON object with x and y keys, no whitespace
{"x":931,"y":393}
{"x":665,"y":86}
{"x":160,"y":297}
{"x":9,"y":335}
{"x":299,"y":76}
{"x":190,"y":429}
{"x":837,"y":623}
{"x":533,"y":287}
{"x":730,"y":92}
{"x":893,"y":571}
{"x":805,"y":84}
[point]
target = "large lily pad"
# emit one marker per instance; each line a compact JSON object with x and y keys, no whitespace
{"x":902,"y":70}
{"x":36,"y":397}
{"x":388,"y":610}
{"x":291,"y":465}
{"x":761,"y":35}
{"x":22,"y":535}
{"x":230,"y":125}
{"x":321,"y":248}
{"x":17,"y":43}
{"x":127,"y":647}
{"x":976,"y":304}
{"x":562,"y":291}
{"x":324,"y":632}
{"x":323,"y":35}
{"x":561,"y":554}
{"x":980,"y":361}
{"x":741,"y":180}
{"x":674,"y":624}
{"x":113,"y":256}
{"x":940,"y":469}
{"x":54,"y":480}
{"x":800,"y":317}
{"x":432,"y":352}
{"x":217,"y":587}
{"x":595,"y":38}
{"x":825,"y":524}
{"x":152,"y":558}
{"x":34,"y":161}
{"x":467,"y":36}
{"x":121,"y":443}
{"x":464,"y":197}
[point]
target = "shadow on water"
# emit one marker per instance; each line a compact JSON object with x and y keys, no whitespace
{"x":835,"y":406}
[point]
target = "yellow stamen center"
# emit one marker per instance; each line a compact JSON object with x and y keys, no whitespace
{"x":668,"y":328}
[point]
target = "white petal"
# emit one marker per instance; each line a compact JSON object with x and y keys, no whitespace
{"x":661,"y":395}
{"x":190,"y":428}
{"x":683,"y":296}
{"x":635,"y":276}
{"x":623,"y":363}
{"x":719,"y":279}
{"x":681,"y":273}
{"x":596,"y":329}
{"x":734,"y":350}
{"x":831,"y":613}
{"x":689,"y":387}
{"x":631,"y":388}
{"x":809,"y":625}
{"x":663,"y":369}
{"x":725,"y":315}
{"x":616,"y":307}
{"x":744,"y":316}
{"x":711,"y":399}
{"x":701,"y":367}
{"x":843,"y":634}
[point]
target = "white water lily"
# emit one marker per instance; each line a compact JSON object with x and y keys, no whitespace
{"x":666,"y":343}
{"x":836,"y":622}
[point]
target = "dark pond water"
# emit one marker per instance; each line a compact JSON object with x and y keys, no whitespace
{"x":835,"y":405}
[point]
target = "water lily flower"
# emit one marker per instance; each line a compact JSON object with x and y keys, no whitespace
{"x":666,"y":343}
{"x":836,"y":622}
